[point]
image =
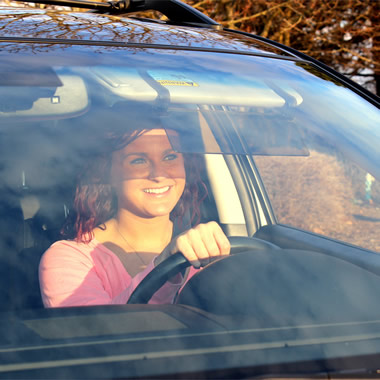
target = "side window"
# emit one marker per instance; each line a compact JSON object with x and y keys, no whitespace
{"x":324,"y":193}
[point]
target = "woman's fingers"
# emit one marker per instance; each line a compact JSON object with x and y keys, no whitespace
{"x":221,"y":240}
{"x":202,"y":244}
{"x":184,"y":245}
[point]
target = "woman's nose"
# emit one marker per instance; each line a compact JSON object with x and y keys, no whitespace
{"x":157,"y":170}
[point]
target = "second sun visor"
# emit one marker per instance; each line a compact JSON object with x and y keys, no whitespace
{"x":192,"y":87}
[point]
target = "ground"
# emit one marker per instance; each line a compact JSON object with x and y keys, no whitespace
{"x":325,"y":195}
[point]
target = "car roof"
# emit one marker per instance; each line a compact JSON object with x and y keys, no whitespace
{"x":67,"y":26}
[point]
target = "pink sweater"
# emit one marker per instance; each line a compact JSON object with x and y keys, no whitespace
{"x":79,"y":274}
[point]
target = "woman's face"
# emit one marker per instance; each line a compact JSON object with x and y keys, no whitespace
{"x":149,"y":176}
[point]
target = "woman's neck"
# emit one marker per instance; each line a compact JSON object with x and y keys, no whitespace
{"x":142,"y":234}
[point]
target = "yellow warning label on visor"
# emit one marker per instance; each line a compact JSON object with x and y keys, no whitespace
{"x":169,"y":78}
{"x":167,"y":82}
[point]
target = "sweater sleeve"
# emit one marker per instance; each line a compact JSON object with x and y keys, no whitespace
{"x":69,"y":277}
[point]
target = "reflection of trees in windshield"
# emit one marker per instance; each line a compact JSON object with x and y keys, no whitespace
{"x":90,"y":27}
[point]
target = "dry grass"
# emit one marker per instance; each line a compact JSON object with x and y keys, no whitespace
{"x":323,"y":195}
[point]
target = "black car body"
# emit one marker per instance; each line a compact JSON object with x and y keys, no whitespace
{"x":292,"y":166}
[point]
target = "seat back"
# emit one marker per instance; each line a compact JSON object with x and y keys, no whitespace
{"x":29,"y":224}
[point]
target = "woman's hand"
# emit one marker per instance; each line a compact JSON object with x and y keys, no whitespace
{"x":200,"y":245}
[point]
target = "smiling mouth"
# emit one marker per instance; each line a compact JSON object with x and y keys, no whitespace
{"x":160,"y":190}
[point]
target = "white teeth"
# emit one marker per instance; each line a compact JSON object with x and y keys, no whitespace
{"x":157,"y":191}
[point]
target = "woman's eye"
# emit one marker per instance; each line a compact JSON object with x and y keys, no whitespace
{"x":170,"y":157}
{"x":137,"y":161}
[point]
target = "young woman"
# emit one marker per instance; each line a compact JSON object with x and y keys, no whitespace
{"x":129,"y":204}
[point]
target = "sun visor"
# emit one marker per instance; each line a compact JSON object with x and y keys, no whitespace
{"x":233,"y":133}
{"x":191,"y":87}
{"x":196,"y":129}
{"x":41,"y":94}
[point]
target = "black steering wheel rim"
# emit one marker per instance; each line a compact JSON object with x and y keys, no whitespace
{"x":177,"y":262}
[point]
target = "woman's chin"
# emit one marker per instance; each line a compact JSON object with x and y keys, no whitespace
{"x":158,"y":212}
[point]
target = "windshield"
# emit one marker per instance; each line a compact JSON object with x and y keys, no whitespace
{"x":267,"y":149}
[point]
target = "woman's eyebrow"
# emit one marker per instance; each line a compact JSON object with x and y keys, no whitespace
{"x":126,"y":155}
{"x":144,"y":154}
{"x":170,"y":150}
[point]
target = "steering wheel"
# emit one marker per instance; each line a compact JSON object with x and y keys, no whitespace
{"x":177,"y":262}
